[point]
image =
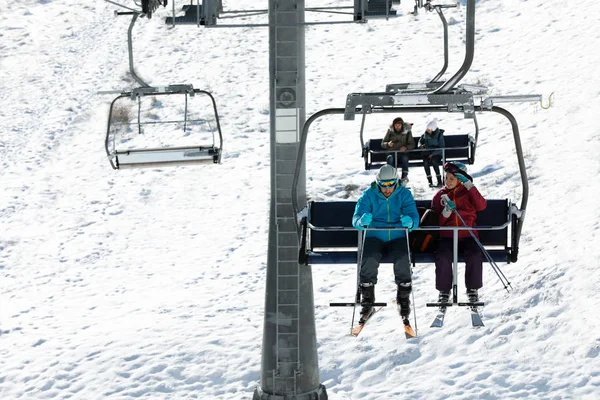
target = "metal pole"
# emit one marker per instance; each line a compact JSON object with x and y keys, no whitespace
{"x":524,"y":182}
{"x":289,"y":367}
{"x":445,"y":25}
{"x":470,"y":50}
{"x":455,"y":267}
{"x":130,"y":48}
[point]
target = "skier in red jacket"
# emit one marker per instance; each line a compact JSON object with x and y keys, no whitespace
{"x":467,"y":201}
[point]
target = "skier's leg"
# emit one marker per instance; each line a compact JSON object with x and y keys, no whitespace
{"x":443,"y":265}
{"x":399,"y":252}
{"x":436,"y":161}
{"x":427,"y":170}
{"x":473,"y":264}
{"x":371,"y":258}
{"x":404,"y":162}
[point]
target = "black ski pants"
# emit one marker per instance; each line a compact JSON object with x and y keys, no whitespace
{"x":473,"y":264}
{"x":372,"y":254}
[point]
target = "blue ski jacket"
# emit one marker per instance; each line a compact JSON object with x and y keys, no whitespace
{"x":386,"y":211}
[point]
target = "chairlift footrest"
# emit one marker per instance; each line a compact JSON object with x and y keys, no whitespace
{"x":355,"y":304}
{"x":438,"y":304}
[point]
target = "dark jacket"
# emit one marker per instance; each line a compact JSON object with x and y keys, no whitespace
{"x":386,"y":211}
{"x":468,"y":202}
{"x":433,"y":141}
{"x":399,"y":139}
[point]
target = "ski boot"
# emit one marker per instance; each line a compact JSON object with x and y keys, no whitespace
{"x":368,"y":298}
{"x":444,"y":297}
{"x":403,"y":300}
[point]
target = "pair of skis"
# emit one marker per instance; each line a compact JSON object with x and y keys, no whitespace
{"x":409,"y":332}
{"x":476,"y":320}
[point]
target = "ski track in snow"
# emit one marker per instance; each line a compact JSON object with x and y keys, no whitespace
{"x":150,"y":283}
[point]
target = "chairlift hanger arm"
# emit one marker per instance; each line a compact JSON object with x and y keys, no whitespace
{"x":445,"y":25}
{"x":521,"y":160}
{"x":300,"y":156}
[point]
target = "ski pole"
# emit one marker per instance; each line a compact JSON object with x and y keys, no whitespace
{"x":412,"y":289}
{"x":495,"y":267}
{"x":358,"y":268}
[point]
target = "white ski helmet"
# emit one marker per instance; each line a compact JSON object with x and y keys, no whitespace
{"x":387,"y":173}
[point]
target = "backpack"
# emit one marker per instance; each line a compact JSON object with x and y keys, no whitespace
{"x":423,"y":241}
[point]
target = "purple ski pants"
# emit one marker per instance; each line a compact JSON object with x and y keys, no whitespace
{"x":473,"y":263}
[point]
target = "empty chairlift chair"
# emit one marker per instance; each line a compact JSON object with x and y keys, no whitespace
{"x":368,"y":9}
{"x":174,"y":125}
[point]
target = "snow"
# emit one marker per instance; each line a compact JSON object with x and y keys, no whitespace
{"x":150,"y":283}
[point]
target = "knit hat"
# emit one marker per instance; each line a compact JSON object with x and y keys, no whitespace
{"x":386,"y":173}
{"x":432,"y":126}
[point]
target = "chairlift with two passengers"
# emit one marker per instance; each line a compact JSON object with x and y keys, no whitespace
{"x":159,"y":126}
{"x":458,"y":147}
{"x":325,"y":229}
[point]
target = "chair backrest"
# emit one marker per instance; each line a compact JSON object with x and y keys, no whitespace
{"x":339,"y":214}
{"x":458,"y":148}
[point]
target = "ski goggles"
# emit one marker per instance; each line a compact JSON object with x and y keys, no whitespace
{"x":450,"y":167}
{"x":388,"y":183}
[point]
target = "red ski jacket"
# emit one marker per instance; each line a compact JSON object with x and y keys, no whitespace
{"x":468,"y":202}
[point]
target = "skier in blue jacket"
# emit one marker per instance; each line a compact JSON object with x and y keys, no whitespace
{"x":385,"y":204}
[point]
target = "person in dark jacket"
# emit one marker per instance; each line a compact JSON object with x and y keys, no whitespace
{"x":432,"y":140}
{"x":399,"y":138}
{"x":465,"y":199}
{"x":385,"y":204}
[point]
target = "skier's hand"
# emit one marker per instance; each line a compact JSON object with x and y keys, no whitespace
{"x":406,"y":222}
{"x":365,"y":220}
{"x":466,"y":182}
{"x":447,"y":203}
{"x":461,"y":177}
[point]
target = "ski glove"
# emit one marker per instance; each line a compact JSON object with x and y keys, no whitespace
{"x":465,"y":180}
{"x":449,"y":203}
{"x":461,"y":177}
{"x":364,"y":221}
{"x":406,"y":221}
{"x":448,"y":206}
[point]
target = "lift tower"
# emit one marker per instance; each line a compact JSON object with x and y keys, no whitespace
{"x":289,"y":354}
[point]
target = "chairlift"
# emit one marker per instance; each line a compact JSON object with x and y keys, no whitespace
{"x":204,"y":13}
{"x":459,"y":147}
{"x":367,"y":9}
{"x":144,"y":123}
{"x":155,"y":126}
{"x":325,"y":232}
